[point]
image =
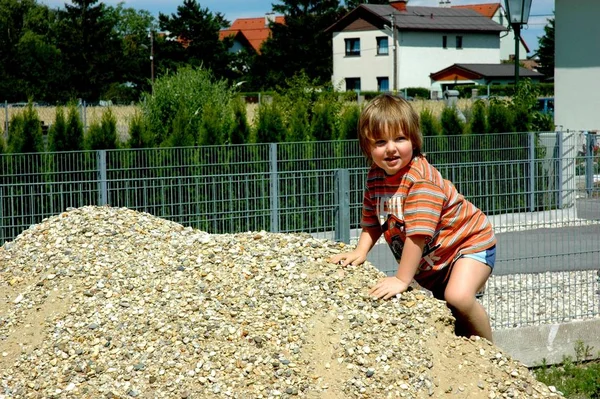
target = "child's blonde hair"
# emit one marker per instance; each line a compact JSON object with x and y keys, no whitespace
{"x":385,"y":115}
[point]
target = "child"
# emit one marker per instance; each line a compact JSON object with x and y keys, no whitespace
{"x":438,"y":237}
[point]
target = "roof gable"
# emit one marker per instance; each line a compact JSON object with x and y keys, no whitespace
{"x":251,"y":31}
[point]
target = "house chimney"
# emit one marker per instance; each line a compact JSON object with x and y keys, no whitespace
{"x":399,"y":5}
{"x":269,"y":17}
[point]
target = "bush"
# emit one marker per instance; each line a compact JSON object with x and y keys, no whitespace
{"x":194,"y":90}
{"x":25,"y":132}
{"x":103,"y":135}
{"x":478,"y":123}
{"x":348,"y":123}
{"x":270,"y":127}
{"x":59,"y":135}
{"x":429,"y":124}
{"x":240,"y":132}
{"x":138,"y":133}
{"x":500,"y":119}
{"x":74,"y":125}
{"x":298,"y":124}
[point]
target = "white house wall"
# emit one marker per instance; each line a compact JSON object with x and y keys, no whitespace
{"x":419,"y":54}
{"x":577,"y":65}
{"x":368,"y":67}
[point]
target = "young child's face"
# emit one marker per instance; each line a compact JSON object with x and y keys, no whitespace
{"x":392,"y":152}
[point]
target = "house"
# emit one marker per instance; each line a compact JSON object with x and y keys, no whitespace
{"x":577,"y":65}
{"x":250,"y":33}
{"x":390,"y":47}
{"x":496,"y":13}
{"x":479,"y":74}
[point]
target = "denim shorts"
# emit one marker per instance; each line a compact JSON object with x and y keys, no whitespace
{"x":487,"y":257}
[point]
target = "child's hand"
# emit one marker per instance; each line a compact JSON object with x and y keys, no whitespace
{"x":347,"y":258}
{"x":388,"y":287}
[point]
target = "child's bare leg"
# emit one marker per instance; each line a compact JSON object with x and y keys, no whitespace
{"x":466,"y":277}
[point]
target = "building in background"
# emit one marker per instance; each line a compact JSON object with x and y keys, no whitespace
{"x":496,"y":13}
{"x":250,"y":33}
{"x":395,"y":46}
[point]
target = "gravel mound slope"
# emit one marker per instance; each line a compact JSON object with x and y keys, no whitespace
{"x":102,"y":302}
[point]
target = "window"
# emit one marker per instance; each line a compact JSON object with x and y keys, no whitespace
{"x":352,"y":84}
{"x":382,"y":46}
{"x":383,"y":84}
{"x":353,"y":47}
{"x":459,"y":42}
{"x":444,"y":41}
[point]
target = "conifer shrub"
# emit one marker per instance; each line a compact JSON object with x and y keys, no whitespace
{"x":25,"y":132}
{"x":323,"y":123}
{"x":270,"y":127}
{"x":348,"y":123}
{"x":240,"y":132}
{"x":74,"y":128}
{"x":298,"y":128}
{"x":138,"y":132}
{"x":103,"y":135}
{"x":478,"y":121}
{"x":182,"y":130}
{"x":57,"y":135}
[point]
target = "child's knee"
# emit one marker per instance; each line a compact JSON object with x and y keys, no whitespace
{"x":459,"y":300}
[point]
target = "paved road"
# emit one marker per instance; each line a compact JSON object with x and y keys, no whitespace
{"x":531,"y":251}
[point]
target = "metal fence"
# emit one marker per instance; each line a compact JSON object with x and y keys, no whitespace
{"x":538,"y":189}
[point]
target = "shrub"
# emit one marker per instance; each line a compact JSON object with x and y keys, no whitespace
{"x":74,"y":125}
{"x":429,"y":124}
{"x":298,"y":123}
{"x":270,"y":127}
{"x":25,"y":132}
{"x":240,"y":132}
{"x":193,"y":89}
{"x":324,"y":120}
{"x":478,"y":123}
{"x":103,"y":135}
{"x":182,"y":130}
{"x":451,"y":123}
{"x":138,"y":133}
{"x":348,"y":122}
{"x":61,"y":138}
{"x":500,"y":119}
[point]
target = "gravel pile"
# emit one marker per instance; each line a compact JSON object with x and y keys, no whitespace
{"x":102,"y":302}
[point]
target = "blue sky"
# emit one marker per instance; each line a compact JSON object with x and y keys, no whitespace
{"x":541,"y":10}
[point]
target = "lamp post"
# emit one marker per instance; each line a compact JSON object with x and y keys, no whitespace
{"x":151,"y":35}
{"x":518,"y":14}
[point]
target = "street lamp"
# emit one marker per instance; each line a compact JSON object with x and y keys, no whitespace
{"x":518,"y":14}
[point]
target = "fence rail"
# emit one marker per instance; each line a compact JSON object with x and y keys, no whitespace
{"x":536,"y":188}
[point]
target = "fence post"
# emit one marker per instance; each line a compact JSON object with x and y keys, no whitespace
{"x":5,"y":119}
{"x":531,"y":171}
{"x":559,"y":167}
{"x":589,"y":162}
{"x":102,"y":183}
{"x":274,"y":185}
{"x":342,"y":202}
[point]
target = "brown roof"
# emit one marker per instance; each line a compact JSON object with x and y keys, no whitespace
{"x":253,"y":30}
{"x":480,"y":71}
{"x":420,"y":18}
{"x":487,"y":10}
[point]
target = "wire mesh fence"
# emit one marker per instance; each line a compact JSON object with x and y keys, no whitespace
{"x":532,"y":186}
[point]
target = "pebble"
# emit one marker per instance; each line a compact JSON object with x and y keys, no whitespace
{"x":138,"y":306}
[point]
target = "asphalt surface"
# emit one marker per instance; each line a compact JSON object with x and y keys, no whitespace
{"x":531,"y":251}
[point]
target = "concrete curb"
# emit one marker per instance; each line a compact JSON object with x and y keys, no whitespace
{"x":531,"y":345}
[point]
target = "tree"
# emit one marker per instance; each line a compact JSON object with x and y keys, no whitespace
{"x":194,"y":39}
{"x":545,"y":50}
{"x":91,"y":48}
{"x":352,"y":4}
{"x":301,"y":44}
{"x":29,"y":61}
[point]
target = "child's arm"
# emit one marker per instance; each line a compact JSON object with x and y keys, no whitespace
{"x":368,"y":238}
{"x":411,"y":257}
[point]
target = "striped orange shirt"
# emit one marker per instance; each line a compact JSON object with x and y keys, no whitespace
{"x":419,"y":201}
